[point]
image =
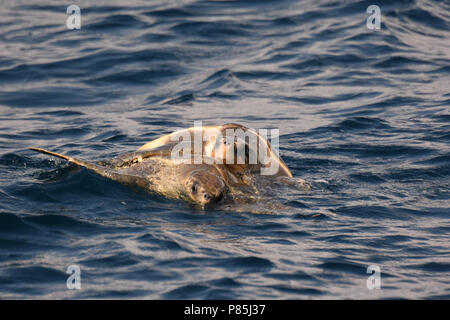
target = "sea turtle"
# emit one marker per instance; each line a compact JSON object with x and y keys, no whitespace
{"x":249,"y":150}
{"x":162,"y":166}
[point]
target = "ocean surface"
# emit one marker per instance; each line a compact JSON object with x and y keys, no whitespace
{"x":363,"y":114}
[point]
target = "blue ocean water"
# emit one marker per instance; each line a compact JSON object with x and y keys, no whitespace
{"x":364,"y":116}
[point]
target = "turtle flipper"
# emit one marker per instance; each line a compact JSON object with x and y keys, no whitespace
{"x":81,"y":163}
{"x":99,"y":169}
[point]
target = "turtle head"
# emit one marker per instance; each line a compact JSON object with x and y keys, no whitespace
{"x":205,"y":187}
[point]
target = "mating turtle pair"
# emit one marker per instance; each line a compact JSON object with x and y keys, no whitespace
{"x":203,"y":175}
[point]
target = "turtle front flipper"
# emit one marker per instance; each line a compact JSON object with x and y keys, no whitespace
{"x":81,"y":163}
{"x":104,"y":171}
